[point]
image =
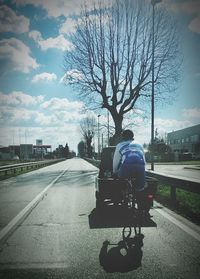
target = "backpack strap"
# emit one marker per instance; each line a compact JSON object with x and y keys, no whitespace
{"x":123,"y":147}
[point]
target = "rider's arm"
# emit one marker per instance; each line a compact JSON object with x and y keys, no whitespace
{"x":116,"y":160}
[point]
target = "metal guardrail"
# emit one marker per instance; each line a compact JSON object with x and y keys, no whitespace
{"x":9,"y":169}
{"x":190,"y":185}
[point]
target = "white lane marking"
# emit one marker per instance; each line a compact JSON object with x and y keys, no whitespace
{"x":178,"y":223}
{"x":22,"y":214}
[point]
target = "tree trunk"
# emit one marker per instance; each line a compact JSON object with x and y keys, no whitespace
{"x":89,"y":147}
{"x":115,"y":139}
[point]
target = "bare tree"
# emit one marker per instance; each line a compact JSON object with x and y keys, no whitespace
{"x":88,"y":126}
{"x":111,"y":62}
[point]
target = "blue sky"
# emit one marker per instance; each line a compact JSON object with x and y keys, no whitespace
{"x":36,"y":104}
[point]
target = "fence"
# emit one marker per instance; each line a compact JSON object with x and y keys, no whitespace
{"x":174,"y":182}
{"x":13,"y":169}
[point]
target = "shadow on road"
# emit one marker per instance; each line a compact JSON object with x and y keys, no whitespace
{"x":127,"y":254}
{"x":116,"y":217}
{"x":124,"y":256}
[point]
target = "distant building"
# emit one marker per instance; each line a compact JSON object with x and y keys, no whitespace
{"x":15,"y":149}
{"x":5,"y":153}
{"x":10,"y":152}
{"x":26,"y":151}
{"x":39,"y":142}
{"x":185,"y":141}
{"x":41,"y":150}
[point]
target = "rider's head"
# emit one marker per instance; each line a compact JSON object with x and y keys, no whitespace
{"x":127,"y":135}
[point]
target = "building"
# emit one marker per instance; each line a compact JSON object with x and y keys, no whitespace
{"x":14,"y":149}
{"x":185,"y":141}
{"x":39,"y":142}
{"x":11,"y":152}
{"x":40,"y":151}
{"x":26,"y":151}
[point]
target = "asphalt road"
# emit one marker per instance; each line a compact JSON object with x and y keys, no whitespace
{"x":56,"y":239}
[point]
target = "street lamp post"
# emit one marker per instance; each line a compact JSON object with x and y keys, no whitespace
{"x":153,"y":2}
{"x":108,"y":127}
{"x":98,"y":138}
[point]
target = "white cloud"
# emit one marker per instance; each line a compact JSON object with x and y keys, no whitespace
{"x":143,"y":130}
{"x":43,"y":119}
{"x":18,"y":98}
{"x":71,"y":76}
{"x":15,"y":115}
{"x":62,"y":105}
{"x":192,"y":113}
{"x":11,"y":22}
{"x":35,"y":35}
{"x":191,"y":8}
{"x":17,"y":55}
{"x":142,"y":127}
{"x":25,"y":114}
{"x":18,"y":107}
{"x":58,"y":8}
{"x":168,"y":125}
{"x":60,"y":117}
{"x":50,"y":135}
{"x":195,"y":25}
{"x":56,"y":121}
{"x":58,"y":42}
{"x":68,"y":27}
{"x":58,"y":124}
{"x":54,"y":8}
{"x":44,"y":77}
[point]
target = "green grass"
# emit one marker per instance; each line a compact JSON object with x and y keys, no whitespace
{"x":190,"y":200}
{"x":163,"y":191}
{"x":188,"y":204}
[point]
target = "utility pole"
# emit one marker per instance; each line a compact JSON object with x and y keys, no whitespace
{"x":108,"y":128}
{"x":153,"y":2}
{"x":98,"y":138}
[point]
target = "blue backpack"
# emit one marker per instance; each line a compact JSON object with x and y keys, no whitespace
{"x":132,"y":153}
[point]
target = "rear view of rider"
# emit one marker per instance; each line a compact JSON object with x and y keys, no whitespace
{"x":129,"y":161}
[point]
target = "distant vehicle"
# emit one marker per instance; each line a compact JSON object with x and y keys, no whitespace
{"x":15,"y":157}
{"x":187,"y":156}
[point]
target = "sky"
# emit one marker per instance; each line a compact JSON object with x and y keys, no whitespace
{"x":35,"y":103}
